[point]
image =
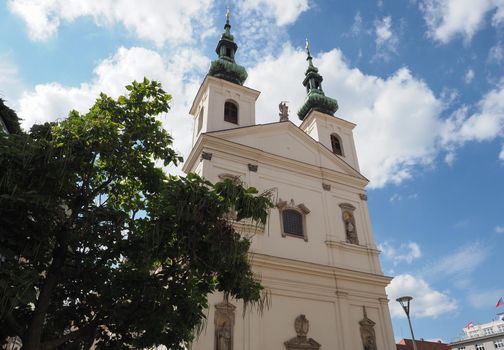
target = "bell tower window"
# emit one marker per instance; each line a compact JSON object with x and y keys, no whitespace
{"x":200,"y":120}
{"x":231,"y":112}
{"x":336,"y":145}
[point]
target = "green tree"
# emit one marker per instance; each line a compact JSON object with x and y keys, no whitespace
{"x":97,"y":243}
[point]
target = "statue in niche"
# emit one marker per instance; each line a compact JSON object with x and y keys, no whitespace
{"x":367,"y":332}
{"x":224,"y":324}
{"x":301,"y":341}
{"x":284,"y":111}
{"x":351,"y":234}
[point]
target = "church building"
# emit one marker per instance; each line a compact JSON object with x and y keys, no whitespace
{"x":316,"y":256}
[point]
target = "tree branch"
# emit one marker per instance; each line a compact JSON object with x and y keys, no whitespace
{"x":80,"y":333}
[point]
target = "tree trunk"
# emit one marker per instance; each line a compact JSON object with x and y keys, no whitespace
{"x":33,"y":338}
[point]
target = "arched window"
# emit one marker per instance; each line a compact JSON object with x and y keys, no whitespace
{"x":336,"y":145}
{"x":293,"y":219}
{"x":231,"y":112}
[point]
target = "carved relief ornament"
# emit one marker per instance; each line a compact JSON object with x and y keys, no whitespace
{"x":301,"y":342}
{"x":367,"y":332}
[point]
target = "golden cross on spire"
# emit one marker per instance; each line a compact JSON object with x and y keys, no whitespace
{"x":228,"y":13}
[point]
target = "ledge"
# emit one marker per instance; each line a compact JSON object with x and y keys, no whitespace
{"x":352,"y":247}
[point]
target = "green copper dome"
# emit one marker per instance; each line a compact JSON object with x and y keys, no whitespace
{"x":225,"y":66}
{"x":315,"y":98}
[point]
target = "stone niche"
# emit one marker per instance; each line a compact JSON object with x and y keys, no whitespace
{"x":347,"y":212}
{"x":301,"y":341}
{"x":224,"y":326}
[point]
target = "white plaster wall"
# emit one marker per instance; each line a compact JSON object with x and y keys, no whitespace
{"x":214,"y":94}
{"x":323,"y":223}
{"x":334,"y":320}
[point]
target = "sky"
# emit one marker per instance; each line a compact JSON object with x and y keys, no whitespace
{"x":422,"y":79}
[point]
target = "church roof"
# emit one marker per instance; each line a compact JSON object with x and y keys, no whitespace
{"x":284,"y":140}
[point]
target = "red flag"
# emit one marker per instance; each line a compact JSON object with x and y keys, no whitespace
{"x":500,"y":302}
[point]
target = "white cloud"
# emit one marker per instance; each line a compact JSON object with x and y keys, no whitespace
{"x":406,"y":252}
{"x":386,"y":40}
{"x":469,"y":76}
{"x":450,"y":158}
{"x":157,"y":21}
{"x":356,"y":25}
{"x":396,"y":197}
{"x":496,"y":53}
{"x":180,"y":77}
{"x":499,"y":229}
{"x":447,"y":19}
{"x":284,"y":12}
{"x":10,"y":83}
{"x":397,"y":117}
{"x":426,"y":302}
{"x":485,"y":124}
{"x":461,"y":263}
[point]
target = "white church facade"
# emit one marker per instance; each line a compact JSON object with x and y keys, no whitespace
{"x":316,"y":256}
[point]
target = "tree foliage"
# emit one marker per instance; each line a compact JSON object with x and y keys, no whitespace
{"x":98,"y":244}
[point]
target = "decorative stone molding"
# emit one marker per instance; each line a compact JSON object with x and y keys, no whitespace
{"x":224,"y":326}
{"x":367,"y":332}
{"x":301,"y":342}
{"x":252,"y":167}
{"x":326,"y":187}
{"x":363,"y":196}
{"x":228,"y":176}
{"x":349,"y":222}
{"x":206,"y":155}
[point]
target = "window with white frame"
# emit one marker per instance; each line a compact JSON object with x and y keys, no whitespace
{"x":488,"y":330}
{"x":499,"y":343}
{"x":293,"y":219}
{"x":479,"y":346}
{"x":473,"y":334}
{"x":500,"y":328}
{"x":461,"y":348}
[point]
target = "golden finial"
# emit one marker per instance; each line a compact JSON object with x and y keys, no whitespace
{"x":307,"y":45}
{"x":228,"y":14}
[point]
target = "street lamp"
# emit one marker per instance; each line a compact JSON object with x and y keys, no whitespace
{"x":405,"y":303}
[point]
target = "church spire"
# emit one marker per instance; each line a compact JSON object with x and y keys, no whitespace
{"x":315,"y":98}
{"x":225,"y":67}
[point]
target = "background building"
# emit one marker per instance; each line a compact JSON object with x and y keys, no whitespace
{"x":316,"y":256}
{"x":407,"y":344}
{"x":484,"y":336}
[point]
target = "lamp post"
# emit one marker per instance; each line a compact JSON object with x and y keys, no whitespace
{"x":405,"y":303}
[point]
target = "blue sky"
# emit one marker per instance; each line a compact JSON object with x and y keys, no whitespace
{"x":422,"y":79}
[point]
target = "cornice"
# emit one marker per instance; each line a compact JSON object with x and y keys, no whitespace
{"x":313,"y":114}
{"x":360,"y":249}
{"x":313,"y":269}
{"x":217,"y":81}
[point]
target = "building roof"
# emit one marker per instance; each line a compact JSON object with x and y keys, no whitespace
{"x":407,"y":344}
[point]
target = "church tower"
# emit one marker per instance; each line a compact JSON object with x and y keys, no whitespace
{"x":316,"y":255}
{"x":222,"y":92}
